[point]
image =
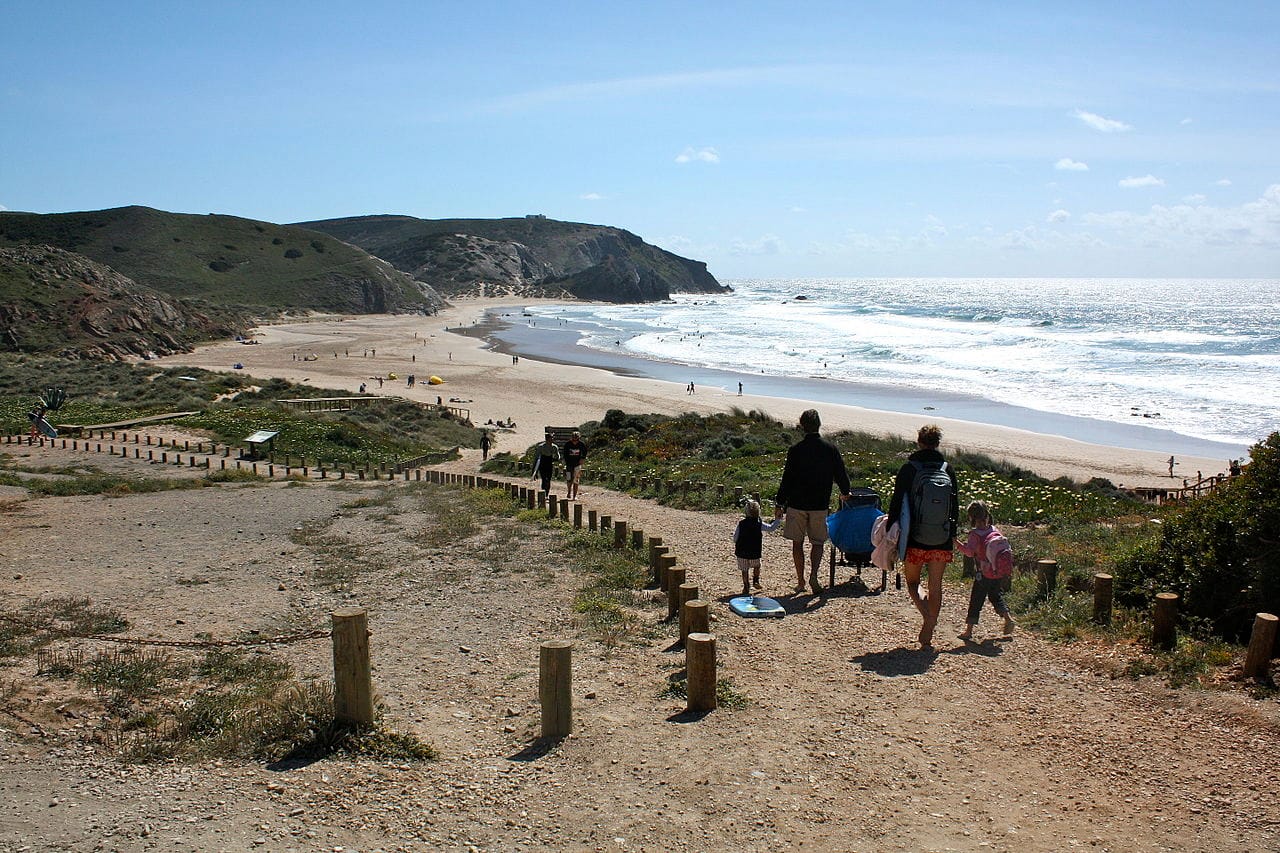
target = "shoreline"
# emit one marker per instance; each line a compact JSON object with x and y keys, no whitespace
{"x":535,"y":392}
{"x":558,"y":346}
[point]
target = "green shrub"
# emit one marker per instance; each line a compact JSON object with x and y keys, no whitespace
{"x":1219,"y":553}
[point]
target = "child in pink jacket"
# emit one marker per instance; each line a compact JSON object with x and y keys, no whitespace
{"x":985,"y":584}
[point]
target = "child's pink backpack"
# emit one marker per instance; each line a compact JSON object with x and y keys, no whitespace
{"x":999,"y":562}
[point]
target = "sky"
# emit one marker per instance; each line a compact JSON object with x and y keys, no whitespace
{"x":771,"y":140}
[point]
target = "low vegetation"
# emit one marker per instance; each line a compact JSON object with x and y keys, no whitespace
{"x":228,"y":407}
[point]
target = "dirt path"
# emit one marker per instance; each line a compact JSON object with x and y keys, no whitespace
{"x":851,"y":739}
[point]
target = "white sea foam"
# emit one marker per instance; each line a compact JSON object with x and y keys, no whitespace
{"x":1204,"y":355}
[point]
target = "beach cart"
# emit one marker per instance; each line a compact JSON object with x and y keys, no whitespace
{"x":849,"y":529}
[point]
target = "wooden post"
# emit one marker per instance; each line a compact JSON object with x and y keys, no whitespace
{"x":1102,"y":594}
{"x":606,"y":523}
{"x":666,"y":561}
{"x":577,"y":516}
{"x":1262,"y":643}
{"x":564,"y":509}
{"x":352,"y":685}
{"x":1047,"y":577}
{"x":688,"y":592}
{"x":555,"y":687}
{"x":620,"y":535}
{"x":591,"y":520}
{"x":530,"y":498}
{"x":542,"y":500}
{"x":737,"y":495}
{"x":551,"y":506}
{"x":675,"y":577}
{"x":1164,"y":621}
{"x":699,"y":618}
{"x":700,"y":667}
{"x":655,"y":548}
{"x":637,"y":539}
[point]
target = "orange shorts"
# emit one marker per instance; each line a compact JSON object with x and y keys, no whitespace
{"x":920,"y":556}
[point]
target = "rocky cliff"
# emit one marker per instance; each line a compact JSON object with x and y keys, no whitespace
{"x":59,"y":302}
{"x":528,"y":256}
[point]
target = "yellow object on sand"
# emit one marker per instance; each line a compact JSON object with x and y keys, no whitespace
{"x":435,"y":380}
{"x":392,"y":376}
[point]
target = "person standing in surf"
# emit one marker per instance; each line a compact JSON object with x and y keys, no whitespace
{"x":926,"y":505}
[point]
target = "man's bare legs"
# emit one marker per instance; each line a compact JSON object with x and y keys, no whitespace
{"x":815,"y":563}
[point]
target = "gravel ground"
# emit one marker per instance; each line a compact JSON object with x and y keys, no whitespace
{"x":851,"y":739}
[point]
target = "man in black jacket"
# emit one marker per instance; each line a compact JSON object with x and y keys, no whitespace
{"x":804,"y":495}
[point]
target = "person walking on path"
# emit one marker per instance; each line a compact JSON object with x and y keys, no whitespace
{"x":544,"y":462}
{"x":485,"y":444}
{"x":748,"y":545}
{"x":926,"y":489}
{"x":987,"y":582}
{"x":574,"y":452}
{"x":804,"y":495}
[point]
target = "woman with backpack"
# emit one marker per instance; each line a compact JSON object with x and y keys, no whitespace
{"x":990,"y":550}
{"x":926,"y":505}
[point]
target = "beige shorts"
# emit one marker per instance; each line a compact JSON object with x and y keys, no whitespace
{"x":747,"y":564}
{"x":575,"y":474}
{"x":805,"y":522}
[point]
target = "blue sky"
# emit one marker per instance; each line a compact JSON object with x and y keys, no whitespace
{"x":768,"y":139}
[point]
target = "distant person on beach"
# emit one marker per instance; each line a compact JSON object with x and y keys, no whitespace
{"x":361,"y":387}
{"x":813,"y":465}
{"x":574,"y":453}
{"x":544,"y":462}
{"x":1171,"y":464}
{"x":987,"y":583}
{"x":926,"y":488}
{"x":739,"y":389}
{"x":748,"y":544}
{"x":485,"y":444}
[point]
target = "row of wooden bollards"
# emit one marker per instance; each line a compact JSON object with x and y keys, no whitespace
{"x":683,"y":603}
{"x":160,"y":452}
{"x":1164,"y":617}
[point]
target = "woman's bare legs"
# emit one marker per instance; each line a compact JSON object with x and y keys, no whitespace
{"x":933,"y":605}
{"x":911,"y":574}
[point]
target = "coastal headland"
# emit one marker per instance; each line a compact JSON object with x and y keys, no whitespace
{"x":494,"y":386}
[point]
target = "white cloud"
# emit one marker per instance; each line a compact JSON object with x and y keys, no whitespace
{"x":1224,"y":182}
{"x":1058,"y":215}
{"x":798,"y":209}
{"x":698,"y":155}
{"x":1254,"y":224}
{"x":1144,"y":181}
{"x":1186,"y":121}
{"x":2,"y":207}
{"x":591,"y":197}
{"x":769,"y":244}
{"x":1195,"y":198}
{"x":1066,"y":164}
{"x":1097,"y":122}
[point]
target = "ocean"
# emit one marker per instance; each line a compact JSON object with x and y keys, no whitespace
{"x":1190,"y":366}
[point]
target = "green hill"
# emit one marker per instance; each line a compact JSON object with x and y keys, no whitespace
{"x":529,"y":255}
{"x":226,"y":260}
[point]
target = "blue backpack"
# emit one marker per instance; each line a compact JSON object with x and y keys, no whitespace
{"x":931,"y":505}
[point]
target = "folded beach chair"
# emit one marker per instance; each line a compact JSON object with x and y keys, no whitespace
{"x":849,"y":529}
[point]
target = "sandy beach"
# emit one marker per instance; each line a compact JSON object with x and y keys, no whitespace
{"x":357,"y":349}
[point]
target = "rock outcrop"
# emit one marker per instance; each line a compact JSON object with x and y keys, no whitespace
{"x":59,"y":302}
{"x":527,"y":256}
